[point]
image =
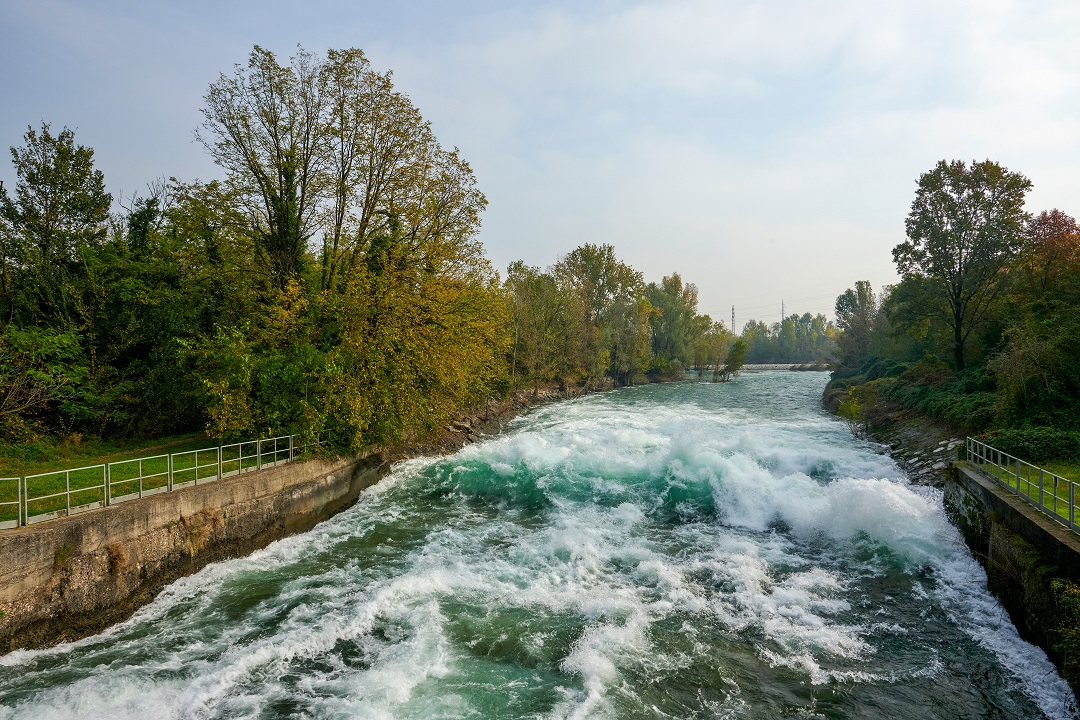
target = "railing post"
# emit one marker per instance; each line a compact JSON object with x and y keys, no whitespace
{"x":1040,"y":485}
{"x":218,"y":462}
{"x":1072,"y":504}
{"x":258,"y":454}
{"x":67,"y":489}
{"x":1055,"y":488}
{"x":169,"y":484}
{"x":20,"y":495}
{"x":108,"y":478}
{"x":291,"y":443}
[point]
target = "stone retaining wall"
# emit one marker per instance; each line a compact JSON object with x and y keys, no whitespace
{"x":1032,"y":562}
{"x":75,"y":576}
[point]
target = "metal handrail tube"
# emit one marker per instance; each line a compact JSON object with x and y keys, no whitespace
{"x":17,"y":502}
{"x":196,"y":467}
{"x":140,"y":474}
{"x":67,"y":492}
{"x":263,"y":451}
{"x":1006,"y":466}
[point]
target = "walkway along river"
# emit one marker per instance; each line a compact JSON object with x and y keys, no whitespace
{"x":683,"y":550}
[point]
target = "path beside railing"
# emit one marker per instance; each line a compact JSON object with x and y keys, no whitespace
{"x":1054,"y":495}
{"x":40,"y":497}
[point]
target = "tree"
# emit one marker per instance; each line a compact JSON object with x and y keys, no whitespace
{"x":964,"y":227}
{"x":327,"y":146}
{"x":608,"y":293}
{"x":265,"y":126}
{"x":1049,"y":262}
{"x":384,"y":168}
{"x":538,"y":312}
{"x":60,"y":207}
{"x":38,"y":370}
{"x":674,"y":327}
{"x":1038,"y":371}
{"x":734,"y":361}
{"x":856,"y":311}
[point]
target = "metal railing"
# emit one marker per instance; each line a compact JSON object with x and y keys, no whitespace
{"x":1054,"y":495}
{"x":10,"y":502}
{"x":46,"y":496}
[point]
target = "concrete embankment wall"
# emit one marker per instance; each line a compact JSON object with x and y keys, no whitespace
{"x":1032,"y":563}
{"x":75,"y":576}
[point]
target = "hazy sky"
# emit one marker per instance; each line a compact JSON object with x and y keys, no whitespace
{"x":765,"y":150}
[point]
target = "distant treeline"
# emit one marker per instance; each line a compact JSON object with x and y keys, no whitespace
{"x":983,"y":330}
{"x":334,"y":279}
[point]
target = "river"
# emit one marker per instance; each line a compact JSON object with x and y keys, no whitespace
{"x":669,"y":551}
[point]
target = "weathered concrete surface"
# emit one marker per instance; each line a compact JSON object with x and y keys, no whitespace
{"x":976,"y":504}
{"x":72,"y":577}
{"x":1032,"y":562}
{"x":75,"y":576}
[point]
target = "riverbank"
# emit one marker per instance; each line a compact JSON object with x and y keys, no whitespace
{"x":75,"y":576}
{"x":1032,"y":564}
{"x":627,"y":555}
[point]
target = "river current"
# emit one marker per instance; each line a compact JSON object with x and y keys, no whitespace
{"x":670,"y":551}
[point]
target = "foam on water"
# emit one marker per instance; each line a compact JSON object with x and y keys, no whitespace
{"x":675,"y":551}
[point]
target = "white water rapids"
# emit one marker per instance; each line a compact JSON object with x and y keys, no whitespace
{"x":673,"y":551}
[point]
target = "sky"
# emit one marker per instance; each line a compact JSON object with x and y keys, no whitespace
{"x":766,"y":151}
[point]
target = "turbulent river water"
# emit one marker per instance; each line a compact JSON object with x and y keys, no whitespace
{"x":671,"y":551}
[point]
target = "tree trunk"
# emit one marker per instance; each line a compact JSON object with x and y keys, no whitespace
{"x":958,"y":348}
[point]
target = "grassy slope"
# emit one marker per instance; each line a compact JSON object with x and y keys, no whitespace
{"x":39,"y":457}
{"x":1065,"y":470}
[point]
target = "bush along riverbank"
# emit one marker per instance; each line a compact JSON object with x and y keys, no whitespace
{"x":1031,"y":563}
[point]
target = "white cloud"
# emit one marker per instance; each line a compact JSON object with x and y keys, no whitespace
{"x":784,"y":138}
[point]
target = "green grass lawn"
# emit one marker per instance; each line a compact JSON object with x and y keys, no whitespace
{"x":79,"y":470}
{"x":42,"y":456}
{"x":1029,"y":482}
{"x":1067,"y":470}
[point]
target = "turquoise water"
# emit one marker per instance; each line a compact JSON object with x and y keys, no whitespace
{"x":672,"y":551}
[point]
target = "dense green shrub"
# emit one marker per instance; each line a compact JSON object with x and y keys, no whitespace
{"x":1036,"y":444}
{"x":949,"y":401}
{"x":931,"y":371}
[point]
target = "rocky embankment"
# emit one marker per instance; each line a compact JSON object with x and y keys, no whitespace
{"x":922,"y":448}
{"x":1032,"y":563}
{"x":488,"y":418}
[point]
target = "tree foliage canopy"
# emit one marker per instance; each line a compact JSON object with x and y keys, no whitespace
{"x":964,"y":227}
{"x":996,"y":290}
{"x":334,"y":279}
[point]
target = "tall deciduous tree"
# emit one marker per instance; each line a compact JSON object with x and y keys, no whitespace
{"x":266,"y":126}
{"x":1038,"y":370}
{"x":1049,"y":263}
{"x":733,"y":361}
{"x":60,"y":206}
{"x":856,"y":310}
{"x":964,"y":227}
{"x":674,"y":327}
{"x":614,"y":323}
